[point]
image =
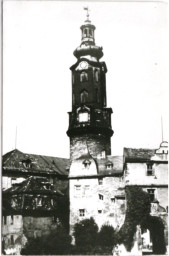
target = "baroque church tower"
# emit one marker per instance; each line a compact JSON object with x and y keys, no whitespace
{"x":90,"y":119}
{"x":94,"y":175}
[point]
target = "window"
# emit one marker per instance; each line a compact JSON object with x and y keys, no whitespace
{"x":86,"y":163}
{"x":100,"y":196}
{"x":5,"y":220}
{"x":81,"y":212}
{"x":86,"y":190}
{"x":39,"y":201}
{"x":84,"y":96}
{"x":85,"y":32}
{"x":151,"y":194}
{"x":150,"y":171}
{"x":99,"y":211}
{"x":90,"y":32}
{"x":12,"y":220}
{"x":13,"y":181}
{"x":97,"y":75}
{"x":83,"y":77}
{"x":112,"y":200}
{"x":77,"y":190}
{"x":109,"y":165}
{"x":100,"y":181}
{"x":83,"y":117}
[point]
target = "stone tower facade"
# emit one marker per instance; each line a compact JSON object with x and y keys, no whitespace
{"x":94,"y":175}
{"x":90,"y":119}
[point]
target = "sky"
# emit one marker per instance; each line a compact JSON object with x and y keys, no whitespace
{"x":39,"y":38}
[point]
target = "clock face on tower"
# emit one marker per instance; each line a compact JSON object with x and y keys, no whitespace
{"x":83,"y":64}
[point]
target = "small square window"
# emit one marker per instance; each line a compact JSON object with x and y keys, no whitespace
{"x":151,"y":194}
{"x":101,"y":197}
{"x":100,"y":181}
{"x":150,"y":170}
{"x":100,"y":211}
{"x":81,"y":212}
{"x":113,"y":200}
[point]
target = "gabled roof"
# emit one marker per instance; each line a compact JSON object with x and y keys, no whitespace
{"x":32,"y":185}
{"x":138,"y":154}
{"x":117,"y":168}
{"x":14,"y":160}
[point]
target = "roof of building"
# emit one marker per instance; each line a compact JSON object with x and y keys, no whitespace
{"x":117,"y":165}
{"x":16,"y":160}
{"x":138,"y":153}
{"x":33,"y":185}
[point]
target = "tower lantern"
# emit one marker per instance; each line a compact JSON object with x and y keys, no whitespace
{"x":88,"y":30}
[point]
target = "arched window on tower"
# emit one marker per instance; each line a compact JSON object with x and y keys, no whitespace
{"x":97,"y":75}
{"x":83,"y":77}
{"x":85,"y":32}
{"x":84,"y":96}
{"x":90,"y":32}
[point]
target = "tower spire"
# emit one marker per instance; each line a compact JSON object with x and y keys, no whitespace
{"x":87,"y":13}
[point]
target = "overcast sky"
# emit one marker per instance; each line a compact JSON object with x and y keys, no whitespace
{"x":38,"y":42}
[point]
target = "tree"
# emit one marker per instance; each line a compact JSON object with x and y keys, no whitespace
{"x":85,"y":233}
{"x":106,"y":236}
{"x":58,"y":242}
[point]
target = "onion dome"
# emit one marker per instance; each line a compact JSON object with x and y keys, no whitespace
{"x":88,"y":47}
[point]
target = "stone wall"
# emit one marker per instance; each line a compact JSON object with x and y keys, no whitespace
{"x":98,"y":201}
{"x":94,"y":143}
{"x":38,"y":226}
{"x":136,"y":174}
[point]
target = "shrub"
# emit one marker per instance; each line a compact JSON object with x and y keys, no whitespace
{"x":58,"y":242}
{"x":106,"y":236}
{"x":85,"y":233}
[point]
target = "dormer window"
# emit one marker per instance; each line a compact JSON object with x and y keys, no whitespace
{"x":83,"y":77}
{"x":109,"y":165}
{"x":150,"y":170}
{"x":27,"y":163}
{"x":86,"y":163}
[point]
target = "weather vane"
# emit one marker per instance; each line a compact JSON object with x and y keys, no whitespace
{"x":87,"y":9}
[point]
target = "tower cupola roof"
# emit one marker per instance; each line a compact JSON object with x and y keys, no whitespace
{"x":88,"y":47}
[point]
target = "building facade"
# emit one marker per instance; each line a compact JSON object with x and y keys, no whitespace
{"x":92,"y":181}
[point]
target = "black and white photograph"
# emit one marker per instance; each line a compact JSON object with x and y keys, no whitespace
{"x":84,"y":127}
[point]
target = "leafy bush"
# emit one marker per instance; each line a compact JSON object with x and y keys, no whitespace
{"x":138,"y":210}
{"x":58,"y":242}
{"x":106,"y":236}
{"x":85,"y":233}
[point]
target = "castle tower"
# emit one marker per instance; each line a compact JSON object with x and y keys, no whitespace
{"x":94,"y":175}
{"x":90,"y":119}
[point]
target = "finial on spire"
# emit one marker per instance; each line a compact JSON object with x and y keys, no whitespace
{"x":87,"y":13}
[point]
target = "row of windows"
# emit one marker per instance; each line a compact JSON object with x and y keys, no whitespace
{"x":87,"y":32}
{"x":84,"y":76}
{"x":82,"y":212}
